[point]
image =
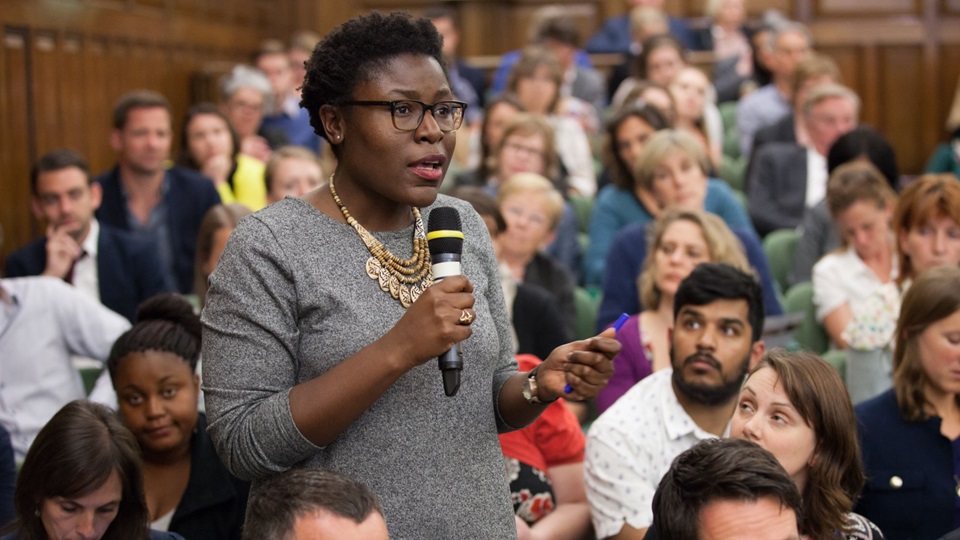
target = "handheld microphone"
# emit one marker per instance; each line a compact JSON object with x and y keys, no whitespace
{"x":445,"y":240}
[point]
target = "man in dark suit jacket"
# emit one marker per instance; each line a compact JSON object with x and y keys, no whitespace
{"x":111,"y":265}
{"x":781,"y":184}
{"x":142,"y":195}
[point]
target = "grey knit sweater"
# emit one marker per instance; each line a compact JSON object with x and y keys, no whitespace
{"x":288,"y":301}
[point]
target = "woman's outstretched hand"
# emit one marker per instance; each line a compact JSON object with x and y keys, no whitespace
{"x":582,"y":367}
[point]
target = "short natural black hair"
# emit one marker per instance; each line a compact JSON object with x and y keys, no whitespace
{"x":56,"y":160}
{"x":274,"y":508}
{"x":357,"y":51}
{"x":718,"y":469}
{"x":718,"y":281}
{"x":137,"y":99}
{"x":165,"y":323}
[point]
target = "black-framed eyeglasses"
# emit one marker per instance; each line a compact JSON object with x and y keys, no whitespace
{"x":408,"y":114}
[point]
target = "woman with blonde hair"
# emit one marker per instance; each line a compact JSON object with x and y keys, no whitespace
{"x":910,"y":433}
{"x":682,"y":239}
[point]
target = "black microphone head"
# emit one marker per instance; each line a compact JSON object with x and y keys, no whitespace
{"x":445,"y":231}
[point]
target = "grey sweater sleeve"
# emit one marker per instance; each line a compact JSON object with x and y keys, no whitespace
{"x":249,"y":342}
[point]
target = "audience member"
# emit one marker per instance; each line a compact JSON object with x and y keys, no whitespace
{"x":926,"y":223}
{"x":153,"y":370}
{"x":82,"y":479}
{"x":500,"y":112}
{"x":623,"y":202}
{"x":726,"y":489}
{"x":110,"y":265}
{"x":660,"y":59}
{"x":538,"y":326}
{"x":210,"y":145}
{"x":726,"y":36}
{"x":142,"y":195}
{"x":284,"y":113}
{"x":818,"y":235}
{"x":531,"y":207}
{"x":545,"y":468}
{"x":314,"y":504}
{"x":301,"y":47}
{"x":946,"y":157}
{"x":614,"y":36}
{"x":468,"y":83}
{"x":861,"y":203}
{"x":43,"y":321}
{"x":794,"y":405}
{"x":681,"y":240}
{"x":790,"y":44}
{"x":810,"y":72}
{"x":559,"y":34}
{"x":694,"y":95}
{"x":290,"y":172}
{"x":536,"y":79}
{"x":645,"y":22}
{"x":651,"y":93}
{"x":245,"y":93}
{"x":8,"y":478}
{"x":909,"y":433}
{"x":215,"y":229}
{"x":786,"y":178}
{"x":718,"y":312}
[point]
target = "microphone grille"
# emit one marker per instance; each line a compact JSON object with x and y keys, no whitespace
{"x":444,"y":218}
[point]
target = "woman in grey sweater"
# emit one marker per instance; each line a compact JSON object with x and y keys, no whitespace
{"x":308,"y":362}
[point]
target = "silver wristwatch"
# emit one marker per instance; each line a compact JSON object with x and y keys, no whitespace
{"x":530,"y":391}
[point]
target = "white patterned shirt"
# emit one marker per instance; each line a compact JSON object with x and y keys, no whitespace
{"x":629,"y":449}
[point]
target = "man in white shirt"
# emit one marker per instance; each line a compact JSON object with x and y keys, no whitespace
{"x":109,"y":265}
{"x":718,"y":313}
{"x":788,"y":178}
{"x":43,"y":322}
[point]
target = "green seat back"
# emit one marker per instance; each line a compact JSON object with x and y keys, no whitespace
{"x":587,"y":303}
{"x":779,"y":247}
{"x":582,"y":207}
{"x":810,"y":335}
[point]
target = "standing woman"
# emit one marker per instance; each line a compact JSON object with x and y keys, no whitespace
{"x":911,"y":434}
{"x":153,"y":367}
{"x":308,"y":362}
{"x":210,"y":145}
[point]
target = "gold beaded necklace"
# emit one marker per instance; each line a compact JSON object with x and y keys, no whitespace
{"x":404,"y":279}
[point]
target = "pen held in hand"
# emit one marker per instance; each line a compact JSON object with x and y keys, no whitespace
{"x":616,"y":328}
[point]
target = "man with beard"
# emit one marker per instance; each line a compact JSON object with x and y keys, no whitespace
{"x":718,"y":318}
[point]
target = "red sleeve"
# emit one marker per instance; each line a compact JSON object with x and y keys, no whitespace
{"x":559,"y":436}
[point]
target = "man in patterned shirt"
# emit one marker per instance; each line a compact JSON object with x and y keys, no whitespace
{"x":718,"y":318}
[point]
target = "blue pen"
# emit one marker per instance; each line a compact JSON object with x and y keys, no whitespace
{"x":616,"y":328}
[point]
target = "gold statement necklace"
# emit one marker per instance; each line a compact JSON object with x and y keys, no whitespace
{"x":404,"y":279}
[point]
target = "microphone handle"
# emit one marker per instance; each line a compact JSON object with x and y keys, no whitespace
{"x":450,"y":362}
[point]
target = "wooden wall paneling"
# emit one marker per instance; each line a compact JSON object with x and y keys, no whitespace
{"x":15,"y":138}
{"x":98,"y":104}
{"x":46,"y":89}
{"x":949,"y":83}
{"x":951,"y":7}
{"x":902,"y":96}
{"x":74,"y":95}
{"x":867,"y":8}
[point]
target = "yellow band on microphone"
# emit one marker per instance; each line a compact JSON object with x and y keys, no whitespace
{"x":432,"y":235}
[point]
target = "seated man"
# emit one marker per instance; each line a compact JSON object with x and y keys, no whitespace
{"x":614,"y":36}
{"x":726,"y":489}
{"x":718,"y":314}
{"x":786,"y":178}
{"x":143,"y":196}
{"x":110,"y":265}
{"x":313,"y":504}
{"x":43,"y":321}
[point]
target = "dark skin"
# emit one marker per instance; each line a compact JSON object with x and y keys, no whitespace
{"x":380,"y":194}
